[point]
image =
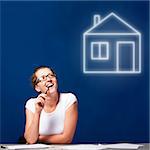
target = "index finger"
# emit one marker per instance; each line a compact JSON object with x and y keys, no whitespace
{"x":43,"y":95}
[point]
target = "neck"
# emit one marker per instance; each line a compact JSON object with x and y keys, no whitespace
{"x":52,"y":99}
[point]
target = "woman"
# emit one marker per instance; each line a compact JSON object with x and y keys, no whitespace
{"x":51,"y":117}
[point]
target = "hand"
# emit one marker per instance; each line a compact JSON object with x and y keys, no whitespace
{"x":42,"y":138}
{"x":39,"y":104}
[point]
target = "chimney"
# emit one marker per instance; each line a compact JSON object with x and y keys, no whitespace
{"x":96,"y":19}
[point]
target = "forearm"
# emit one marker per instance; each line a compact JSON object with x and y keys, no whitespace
{"x":32,"y":132}
{"x":55,"y":139}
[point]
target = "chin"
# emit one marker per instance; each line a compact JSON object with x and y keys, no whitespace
{"x":53,"y":90}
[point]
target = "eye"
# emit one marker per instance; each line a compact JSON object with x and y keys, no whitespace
{"x":50,"y":75}
{"x":43,"y":77}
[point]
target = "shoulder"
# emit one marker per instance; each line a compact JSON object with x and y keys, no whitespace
{"x":68,"y":99}
{"x":30,"y":104}
{"x":30,"y":101}
{"x":68,"y":95}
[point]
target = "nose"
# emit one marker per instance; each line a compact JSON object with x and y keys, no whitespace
{"x":49,"y":79}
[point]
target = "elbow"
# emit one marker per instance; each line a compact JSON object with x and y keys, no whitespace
{"x":30,"y":140}
{"x":67,"y":140}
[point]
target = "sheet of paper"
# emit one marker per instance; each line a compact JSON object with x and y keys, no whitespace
{"x":79,"y":147}
{"x":75,"y":146}
{"x":26,"y":146}
{"x":121,"y":146}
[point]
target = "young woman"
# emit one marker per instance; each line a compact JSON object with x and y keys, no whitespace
{"x":51,"y":117}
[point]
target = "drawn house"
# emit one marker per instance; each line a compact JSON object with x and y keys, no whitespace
{"x":111,"y":45}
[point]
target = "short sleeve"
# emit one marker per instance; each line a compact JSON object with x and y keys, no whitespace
{"x":70,"y":100}
{"x":30,"y":105}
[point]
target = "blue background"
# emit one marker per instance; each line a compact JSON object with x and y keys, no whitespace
{"x":112,"y":108}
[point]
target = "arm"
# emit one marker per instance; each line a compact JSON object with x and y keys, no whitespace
{"x":69,"y":128}
{"x":32,"y":122}
{"x":32,"y":127}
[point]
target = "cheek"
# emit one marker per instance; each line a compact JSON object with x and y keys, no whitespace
{"x":55,"y":81}
{"x":42,"y":87}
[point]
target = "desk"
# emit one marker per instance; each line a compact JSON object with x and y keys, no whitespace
{"x":145,"y":146}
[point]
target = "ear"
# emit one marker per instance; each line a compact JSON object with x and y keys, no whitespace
{"x":37,"y":89}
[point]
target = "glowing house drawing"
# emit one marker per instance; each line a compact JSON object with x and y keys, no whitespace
{"x":111,"y":45}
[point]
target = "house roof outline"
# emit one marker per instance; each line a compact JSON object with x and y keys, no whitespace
{"x":97,"y":22}
{"x":135,"y":32}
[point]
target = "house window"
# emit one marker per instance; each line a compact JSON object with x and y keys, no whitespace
{"x":99,"y":50}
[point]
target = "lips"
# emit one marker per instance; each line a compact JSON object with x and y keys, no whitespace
{"x":49,"y":85}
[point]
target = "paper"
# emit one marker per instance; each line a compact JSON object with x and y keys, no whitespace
{"x":121,"y":146}
{"x":76,"y":147}
{"x":26,"y":146}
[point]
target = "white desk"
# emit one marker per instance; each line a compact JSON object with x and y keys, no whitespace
{"x":80,"y":147}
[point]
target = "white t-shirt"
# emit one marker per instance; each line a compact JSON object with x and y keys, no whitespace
{"x":53,"y":123}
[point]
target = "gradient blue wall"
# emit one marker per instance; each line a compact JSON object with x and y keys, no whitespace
{"x":112,"y":108}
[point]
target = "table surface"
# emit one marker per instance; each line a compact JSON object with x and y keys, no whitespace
{"x":146,"y":146}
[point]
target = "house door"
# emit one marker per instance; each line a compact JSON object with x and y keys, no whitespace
{"x":125,"y":56}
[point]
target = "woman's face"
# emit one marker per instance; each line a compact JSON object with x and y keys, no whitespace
{"x":46,"y":81}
